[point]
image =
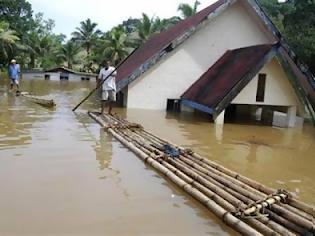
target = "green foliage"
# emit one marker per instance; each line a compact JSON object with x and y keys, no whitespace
{"x":32,"y":42}
{"x":186,"y":10}
{"x":87,"y":35}
{"x":130,"y":25}
{"x":8,"y":39}
{"x":116,"y":45}
{"x":148,"y":26}
{"x":296,"y":21}
{"x":68,"y":53}
{"x":18,"y":14}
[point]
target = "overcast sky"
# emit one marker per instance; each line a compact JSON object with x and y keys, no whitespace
{"x":68,"y":14}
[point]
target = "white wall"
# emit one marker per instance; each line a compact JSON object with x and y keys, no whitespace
{"x":53,"y":75}
{"x":33,"y":75}
{"x":171,"y":77}
{"x":278,"y":90}
{"x":74,"y":77}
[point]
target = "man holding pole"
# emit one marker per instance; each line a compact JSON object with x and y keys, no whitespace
{"x":108,"y":74}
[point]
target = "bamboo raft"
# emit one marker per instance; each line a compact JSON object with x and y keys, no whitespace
{"x":243,"y":204}
{"x":46,"y":102}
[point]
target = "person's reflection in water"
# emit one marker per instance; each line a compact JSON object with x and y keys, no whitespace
{"x":104,"y":150}
{"x":252,"y":153}
{"x":104,"y":155}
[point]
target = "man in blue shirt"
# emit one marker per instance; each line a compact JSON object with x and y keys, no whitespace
{"x":14,"y":72}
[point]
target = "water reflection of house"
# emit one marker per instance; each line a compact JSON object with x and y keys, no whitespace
{"x":58,"y":73}
{"x":227,"y":59}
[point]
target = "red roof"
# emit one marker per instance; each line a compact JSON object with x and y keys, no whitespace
{"x":160,"y":41}
{"x":227,"y":73}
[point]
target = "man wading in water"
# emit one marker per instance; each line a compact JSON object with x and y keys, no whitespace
{"x":108,"y":87}
{"x":14,"y":73}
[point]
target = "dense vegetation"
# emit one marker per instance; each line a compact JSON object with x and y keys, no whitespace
{"x":296,"y":21}
{"x":29,"y":37}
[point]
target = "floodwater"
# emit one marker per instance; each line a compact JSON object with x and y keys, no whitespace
{"x":60,"y":174}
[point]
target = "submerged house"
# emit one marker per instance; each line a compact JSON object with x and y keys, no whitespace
{"x":228,"y":58}
{"x":58,"y":73}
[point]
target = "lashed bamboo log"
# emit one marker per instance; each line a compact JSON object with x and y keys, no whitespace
{"x":255,"y":191}
{"x":267,"y":190}
{"x":252,"y":189}
{"x":304,"y":223}
{"x":298,"y":212}
{"x":227,"y":217}
{"x":295,"y":203}
{"x":278,"y":219}
{"x":157,"y":142}
{"x":280,"y":229}
{"x":260,"y":226}
{"x":39,"y":100}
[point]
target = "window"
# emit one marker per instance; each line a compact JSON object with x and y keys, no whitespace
{"x":260,"y":95}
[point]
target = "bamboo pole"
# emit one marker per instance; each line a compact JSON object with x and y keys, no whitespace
{"x":41,"y":101}
{"x":294,"y":218}
{"x":250,"y":187}
{"x":213,"y":206}
{"x":291,"y":225}
{"x":267,"y":190}
{"x":226,"y":197}
{"x":261,"y":227}
{"x":294,"y":202}
{"x":227,"y":217}
{"x":278,"y":219}
{"x":157,"y":141}
{"x":285,"y":211}
{"x":101,"y":83}
{"x":246,"y":192}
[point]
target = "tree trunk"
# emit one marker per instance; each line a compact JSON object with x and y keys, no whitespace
{"x":32,"y":63}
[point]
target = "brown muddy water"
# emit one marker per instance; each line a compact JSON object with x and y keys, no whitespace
{"x":61,"y":175}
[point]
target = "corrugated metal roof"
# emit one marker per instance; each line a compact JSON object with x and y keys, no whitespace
{"x":69,"y":71}
{"x":216,"y":84}
{"x":160,"y":41}
{"x":61,"y":69}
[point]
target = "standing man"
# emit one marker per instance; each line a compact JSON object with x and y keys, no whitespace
{"x":14,"y":73}
{"x":108,"y":74}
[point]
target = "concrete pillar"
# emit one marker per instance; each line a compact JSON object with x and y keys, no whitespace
{"x":125,"y":97}
{"x":258,"y":112}
{"x":186,"y":108}
{"x":267,"y":115}
{"x":220,"y":118}
{"x":218,"y":133}
{"x":291,"y":116}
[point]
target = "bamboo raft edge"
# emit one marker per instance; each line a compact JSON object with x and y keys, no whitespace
{"x":216,"y":195}
{"x":39,"y":100}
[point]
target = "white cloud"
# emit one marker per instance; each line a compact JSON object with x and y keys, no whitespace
{"x":67,"y":14}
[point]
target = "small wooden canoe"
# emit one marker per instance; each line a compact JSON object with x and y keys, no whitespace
{"x":44,"y":101}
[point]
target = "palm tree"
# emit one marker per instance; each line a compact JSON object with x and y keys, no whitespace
{"x":147,"y":27}
{"x":86,"y":35}
{"x":186,"y":10}
{"x":32,"y":46}
{"x":160,"y":25}
{"x":8,"y":39}
{"x":68,"y":52}
{"x":116,"y":45}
